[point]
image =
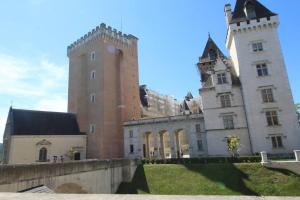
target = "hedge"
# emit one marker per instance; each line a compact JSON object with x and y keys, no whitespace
{"x":242,"y":159}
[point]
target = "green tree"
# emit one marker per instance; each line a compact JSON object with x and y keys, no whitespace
{"x":233,"y":145}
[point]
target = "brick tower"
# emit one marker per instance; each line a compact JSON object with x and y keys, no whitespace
{"x":104,"y":88}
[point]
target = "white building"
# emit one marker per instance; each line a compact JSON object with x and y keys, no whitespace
{"x":247,"y":95}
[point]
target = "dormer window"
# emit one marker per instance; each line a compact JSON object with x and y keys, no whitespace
{"x":221,"y":78}
{"x":250,"y":10}
{"x":212,"y":54}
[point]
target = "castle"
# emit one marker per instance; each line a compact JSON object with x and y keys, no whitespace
{"x":246,"y":95}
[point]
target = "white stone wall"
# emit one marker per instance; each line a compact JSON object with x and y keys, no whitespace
{"x":168,"y":124}
{"x":239,"y":40}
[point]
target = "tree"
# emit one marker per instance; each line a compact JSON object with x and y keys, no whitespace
{"x":233,"y":145}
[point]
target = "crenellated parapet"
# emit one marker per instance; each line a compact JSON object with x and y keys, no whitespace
{"x":103,"y":32}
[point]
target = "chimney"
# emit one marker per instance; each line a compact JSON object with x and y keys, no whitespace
{"x":228,"y":13}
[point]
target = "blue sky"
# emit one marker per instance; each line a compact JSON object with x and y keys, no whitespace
{"x":172,"y":34}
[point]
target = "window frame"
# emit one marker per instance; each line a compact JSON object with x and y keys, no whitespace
{"x":262,"y":70}
{"x":228,"y":121}
{"x":257,"y":47}
{"x":93,"y":56}
{"x":93,"y":97}
{"x":200,"y":145}
{"x":43,"y":154}
{"x":131,"y":149}
{"x":222,"y":78}
{"x":225,"y":100}
{"x":93,"y":75}
{"x":267,"y":95}
{"x":277,"y":142}
{"x":92,"y":128}
{"x":272,"y":118}
{"x":131,"y":133}
{"x":198,"y":128}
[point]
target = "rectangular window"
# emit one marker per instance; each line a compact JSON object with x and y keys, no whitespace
{"x":228,"y":122}
{"x":93,"y":75}
{"x":200,"y":145}
{"x":225,"y":101}
{"x":221,"y":78}
{"x":93,"y":55}
{"x":131,"y":148}
{"x":92,"y":128}
{"x":257,"y":46}
{"x":93,"y":98}
{"x":198,"y":128}
{"x":267,"y":95}
{"x":277,"y":142}
{"x":272,"y":118}
{"x":131,"y":133}
{"x":262,"y":69}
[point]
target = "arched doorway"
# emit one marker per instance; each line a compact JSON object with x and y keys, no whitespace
{"x":182,"y":144}
{"x":148,"y":149}
{"x":76,"y":156}
{"x":165,"y":146}
{"x":43,"y":155}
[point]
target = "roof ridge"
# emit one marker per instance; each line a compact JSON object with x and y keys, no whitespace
{"x":42,"y":111}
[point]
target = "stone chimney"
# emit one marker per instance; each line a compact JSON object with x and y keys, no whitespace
{"x":228,"y":13}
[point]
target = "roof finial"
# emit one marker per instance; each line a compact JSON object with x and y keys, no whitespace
{"x":209,"y":35}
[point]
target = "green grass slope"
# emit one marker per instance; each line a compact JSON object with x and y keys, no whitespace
{"x":212,"y":179}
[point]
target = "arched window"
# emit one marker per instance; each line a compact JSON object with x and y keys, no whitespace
{"x":43,"y":155}
{"x":212,"y":54}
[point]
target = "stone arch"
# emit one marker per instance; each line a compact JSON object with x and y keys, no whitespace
{"x":148,"y":148}
{"x":165,"y":144}
{"x":182,"y":144}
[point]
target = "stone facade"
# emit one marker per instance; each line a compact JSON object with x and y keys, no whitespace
{"x":165,"y":137}
{"x":104,"y":88}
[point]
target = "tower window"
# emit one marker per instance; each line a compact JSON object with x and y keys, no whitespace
{"x":92,"y":128}
{"x":131,"y":133}
{"x":267,"y":95}
{"x":93,"y":56}
{"x":93,"y":98}
{"x":200,"y":145}
{"x":257,"y":46}
{"x":131,"y":148}
{"x":93,"y":75}
{"x":250,"y":10}
{"x":262,"y":69}
{"x":198,"y":128}
{"x":277,"y":142}
{"x":222,"y":78}
{"x":225,"y":101}
{"x":43,"y":155}
{"x":228,"y":122}
{"x":272,"y":118}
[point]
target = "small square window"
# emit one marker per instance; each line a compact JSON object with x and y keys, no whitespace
{"x":93,"y":75}
{"x":92,"y":128}
{"x":200,"y":145}
{"x":93,"y":98}
{"x":93,"y":56}
{"x":262,"y":69}
{"x":225,"y":101}
{"x":131,"y":133}
{"x":277,"y":142}
{"x":222,"y":78}
{"x":131,"y":148}
{"x":257,"y":46}
{"x":272,"y":118}
{"x":228,"y":122}
{"x":267,"y":95}
{"x":198,"y":128}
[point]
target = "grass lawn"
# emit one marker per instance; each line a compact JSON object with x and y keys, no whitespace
{"x":212,"y":179}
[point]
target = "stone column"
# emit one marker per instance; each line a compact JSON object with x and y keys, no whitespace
{"x":297,"y":155}
{"x":264,"y":157}
{"x":162,"y":145}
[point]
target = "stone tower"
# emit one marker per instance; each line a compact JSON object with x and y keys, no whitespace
{"x":104,"y":88}
{"x":254,"y":46}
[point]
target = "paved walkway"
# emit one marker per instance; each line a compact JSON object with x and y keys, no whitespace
{"x":21,"y":196}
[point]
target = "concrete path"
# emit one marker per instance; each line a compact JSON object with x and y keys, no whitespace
{"x":20,"y":196}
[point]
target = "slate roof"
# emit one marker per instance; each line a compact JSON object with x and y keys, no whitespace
{"x":30,"y":122}
{"x":239,"y":15}
{"x":211,"y":45}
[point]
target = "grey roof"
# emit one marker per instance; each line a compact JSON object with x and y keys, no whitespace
{"x":31,"y":122}
{"x":239,"y":15}
{"x":211,"y":45}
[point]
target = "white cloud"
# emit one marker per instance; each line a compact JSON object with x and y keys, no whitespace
{"x":38,"y":85}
